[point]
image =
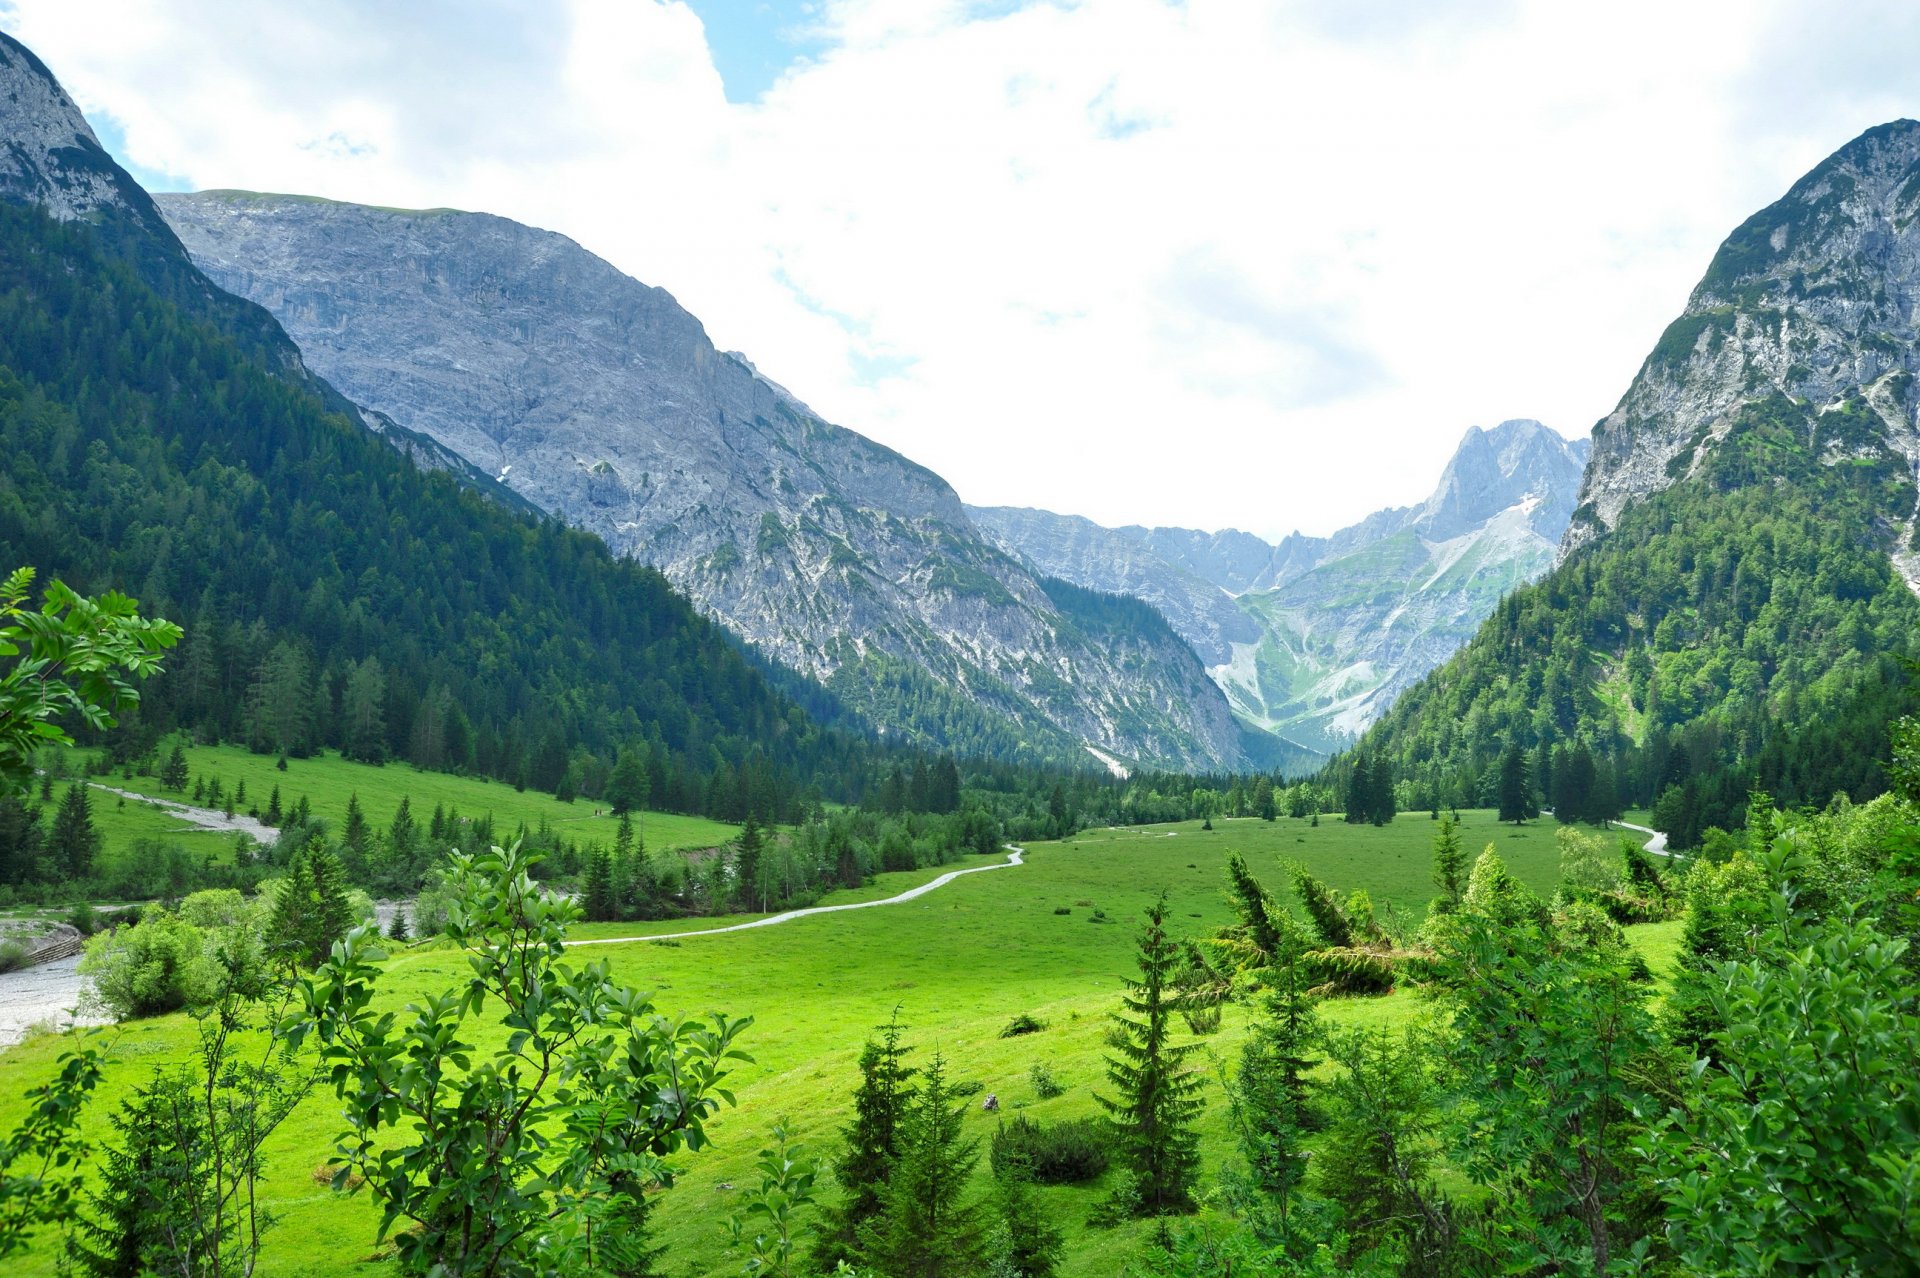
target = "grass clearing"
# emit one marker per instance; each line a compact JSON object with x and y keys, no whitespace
{"x":959,"y":964}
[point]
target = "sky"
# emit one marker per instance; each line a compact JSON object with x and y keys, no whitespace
{"x":1212,"y":263}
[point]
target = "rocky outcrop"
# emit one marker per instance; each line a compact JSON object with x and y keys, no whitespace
{"x":1811,"y":299}
{"x":601,"y":400}
{"x":1313,"y":637}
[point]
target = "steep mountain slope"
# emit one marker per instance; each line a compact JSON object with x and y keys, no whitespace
{"x":1730,"y":570}
{"x":1812,"y":298}
{"x":1312,"y":638}
{"x":601,"y":400}
{"x":160,"y":436}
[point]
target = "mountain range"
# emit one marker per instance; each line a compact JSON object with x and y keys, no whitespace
{"x":601,"y":400}
{"x":1313,"y":637}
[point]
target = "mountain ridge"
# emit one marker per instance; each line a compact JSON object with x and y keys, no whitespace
{"x":601,"y":400}
{"x":1311,"y":637}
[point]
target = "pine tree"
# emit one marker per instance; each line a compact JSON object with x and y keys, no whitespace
{"x":873,"y":1142}
{"x":144,"y":1209}
{"x":74,"y":841}
{"x":21,"y":838}
{"x":312,"y":911}
{"x":1359,"y":801}
{"x":1449,"y":865}
{"x":1382,"y":807}
{"x":363,"y":713}
{"x":356,"y":839}
{"x":748,"y":849}
{"x":274,"y":815}
{"x":1156,"y":1098}
{"x":398,"y":930}
{"x":173,"y":774}
{"x":1263,"y":806}
{"x":926,"y":1229}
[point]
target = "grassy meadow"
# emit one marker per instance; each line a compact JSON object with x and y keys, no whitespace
{"x":327,"y":781}
{"x":958,"y":964}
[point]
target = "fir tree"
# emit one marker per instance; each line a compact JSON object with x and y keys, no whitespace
{"x":1156,"y":1097}
{"x":1026,"y":1242}
{"x":74,"y":841}
{"x":274,"y":815}
{"x":144,"y":1205}
{"x":926,"y":1229}
{"x":873,"y":1142}
{"x":398,"y":930}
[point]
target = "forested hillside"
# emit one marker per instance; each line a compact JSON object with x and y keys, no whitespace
{"x":1732,"y":603}
{"x":332,"y":592}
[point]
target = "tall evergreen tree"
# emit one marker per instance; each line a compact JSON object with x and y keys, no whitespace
{"x":873,"y":1143}
{"x":1270,"y":1092}
{"x":1573,"y":796}
{"x":73,"y":841}
{"x":311,"y":912}
{"x":1449,"y":864}
{"x":600,"y":902}
{"x":1516,"y":787}
{"x":926,"y":1228}
{"x":173,"y":774}
{"x":747,"y":851}
{"x":1155,"y":1097}
{"x":363,"y":713}
{"x":22,"y":838}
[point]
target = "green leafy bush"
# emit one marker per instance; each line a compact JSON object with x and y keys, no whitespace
{"x":159,"y":965}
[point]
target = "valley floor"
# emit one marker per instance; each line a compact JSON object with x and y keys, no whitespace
{"x":957,"y":964}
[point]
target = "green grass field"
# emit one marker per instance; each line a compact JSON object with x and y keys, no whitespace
{"x":326,"y":781}
{"x":958,"y":964}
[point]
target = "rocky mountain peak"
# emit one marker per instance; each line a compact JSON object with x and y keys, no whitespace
{"x":1812,"y":300}
{"x":1516,"y":462}
{"x":50,"y":156}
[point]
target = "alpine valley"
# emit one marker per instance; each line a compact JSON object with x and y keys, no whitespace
{"x":494,"y":786}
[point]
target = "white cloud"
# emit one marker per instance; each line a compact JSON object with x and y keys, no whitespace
{"x":1207,"y":263}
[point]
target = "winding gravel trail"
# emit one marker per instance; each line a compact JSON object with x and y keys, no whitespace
{"x":1656,"y":843}
{"x":1015,"y":856}
{"x":204,"y":818}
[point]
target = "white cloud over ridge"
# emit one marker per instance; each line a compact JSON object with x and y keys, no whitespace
{"x":1213,"y":263}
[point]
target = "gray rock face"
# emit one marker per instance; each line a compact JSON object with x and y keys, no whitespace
{"x":1812,"y":298}
{"x":1311,"y":639}
{"x":601,"y":400}
{"x":48,"y":153}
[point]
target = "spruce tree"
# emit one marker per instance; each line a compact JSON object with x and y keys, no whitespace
{"x":312,"y":911}
{"x":926,"y":1228}
{"x":173,"y":774}
{"x":398,"y":930}
{"x":600,"y":903}
{"x":1156,"y":1097}
{"x":403,"y":835}
{"x":1516,"y":787}
{"x":748,"y":849}
{"x":1449,"y":865}
{"x":274,"y":815}
{"x":1270,"y":1092}
{"x":1026,"y":1240}
{"x":880,"y":1105}
{"x":74,"y":841}
{"x":1360,"y":790}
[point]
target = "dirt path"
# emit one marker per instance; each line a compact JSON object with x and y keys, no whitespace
{"x":202,"y":818}
{"x":1656,"y":842}
{"x":1015,"y":856}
